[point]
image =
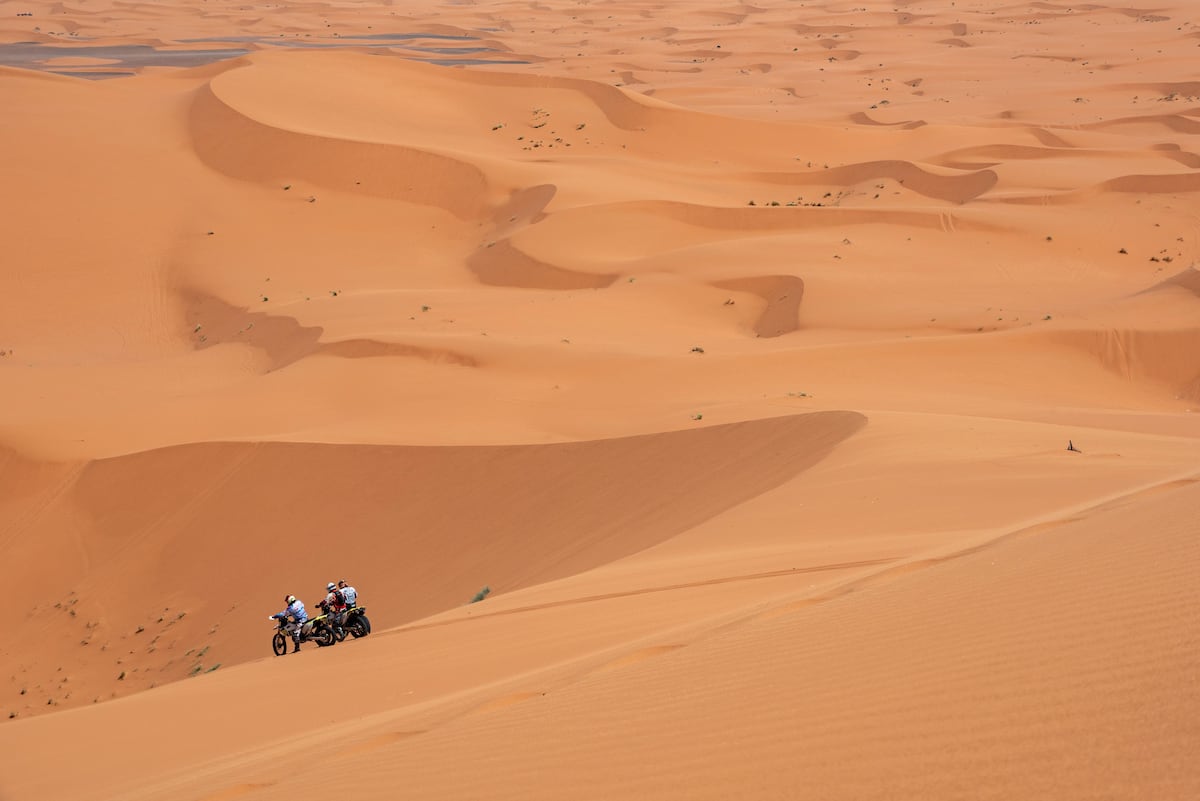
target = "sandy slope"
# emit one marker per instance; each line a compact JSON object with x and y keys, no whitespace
{"x":1051,"y":663}
{"x":726,"y":344}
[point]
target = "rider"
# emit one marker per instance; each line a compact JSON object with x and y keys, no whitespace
{"x":296,"y":616}
{"x":334,"y":604}
{"x":349,"y":593}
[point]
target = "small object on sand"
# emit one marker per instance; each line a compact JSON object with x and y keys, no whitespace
{"x":1071,"y":447}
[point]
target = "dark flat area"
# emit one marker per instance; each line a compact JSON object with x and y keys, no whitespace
{"x":128,"y":58}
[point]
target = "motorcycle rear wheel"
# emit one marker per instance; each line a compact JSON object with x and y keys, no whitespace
{"x":361,"y":626}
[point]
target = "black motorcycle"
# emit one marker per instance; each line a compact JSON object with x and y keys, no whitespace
{"x":352,"y":621}
{"x":317,"y":630}
{"x":356,"y":622}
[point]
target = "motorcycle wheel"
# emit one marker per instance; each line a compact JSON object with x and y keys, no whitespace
{"x":361,"y":626}
{"x":279,"y":644}
{"x":324,"y":637}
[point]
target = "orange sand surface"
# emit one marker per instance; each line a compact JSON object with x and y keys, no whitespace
{"x":735,"y":349}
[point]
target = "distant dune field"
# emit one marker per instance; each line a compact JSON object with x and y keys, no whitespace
{"x":814,"y":389}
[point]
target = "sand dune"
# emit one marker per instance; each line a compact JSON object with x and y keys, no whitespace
{"x":433,"y":517}
{"x":734,"y":349}
{"x":247,"y":149}
{"x":955,"y":188}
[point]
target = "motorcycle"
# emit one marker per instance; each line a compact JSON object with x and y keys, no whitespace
{"x":317,"y":630}
{"x":353,"y":621}
{"x":356,"y":622}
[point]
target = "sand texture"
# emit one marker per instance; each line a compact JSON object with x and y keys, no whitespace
{"x":735,"y":350}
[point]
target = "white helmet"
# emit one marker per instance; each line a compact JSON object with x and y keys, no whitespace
{"x":291,"y":599}
{"x":331,"y":586}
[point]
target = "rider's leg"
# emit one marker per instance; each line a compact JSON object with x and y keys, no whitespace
{"x":294,"y":628}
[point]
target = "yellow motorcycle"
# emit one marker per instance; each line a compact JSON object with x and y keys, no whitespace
{"x":317,"y":630}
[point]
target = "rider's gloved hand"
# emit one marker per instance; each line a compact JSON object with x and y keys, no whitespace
{"x":271,"y":617}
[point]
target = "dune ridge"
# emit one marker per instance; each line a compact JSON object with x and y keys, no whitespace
{"x":957,"y":188}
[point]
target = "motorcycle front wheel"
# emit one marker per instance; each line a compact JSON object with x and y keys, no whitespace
{"x":279,"y":644}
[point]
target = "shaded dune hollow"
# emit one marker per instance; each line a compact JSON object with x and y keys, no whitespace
{"x":499,"y":262}
{"x":781,"y":293}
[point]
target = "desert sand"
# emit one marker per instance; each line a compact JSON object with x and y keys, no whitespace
{"x":735,"y":349}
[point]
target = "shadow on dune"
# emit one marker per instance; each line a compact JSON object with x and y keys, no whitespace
{"x":283,"y":340}
{"x":1167,"y":357}
{"x":503,"y":264}
{"x":1154,"y":184}
{"x":781,"y":293}
{"x":862,"y":118}
{"x":1188,"y":279}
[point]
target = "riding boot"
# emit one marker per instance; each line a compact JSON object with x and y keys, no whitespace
{"x":295,"y":644}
